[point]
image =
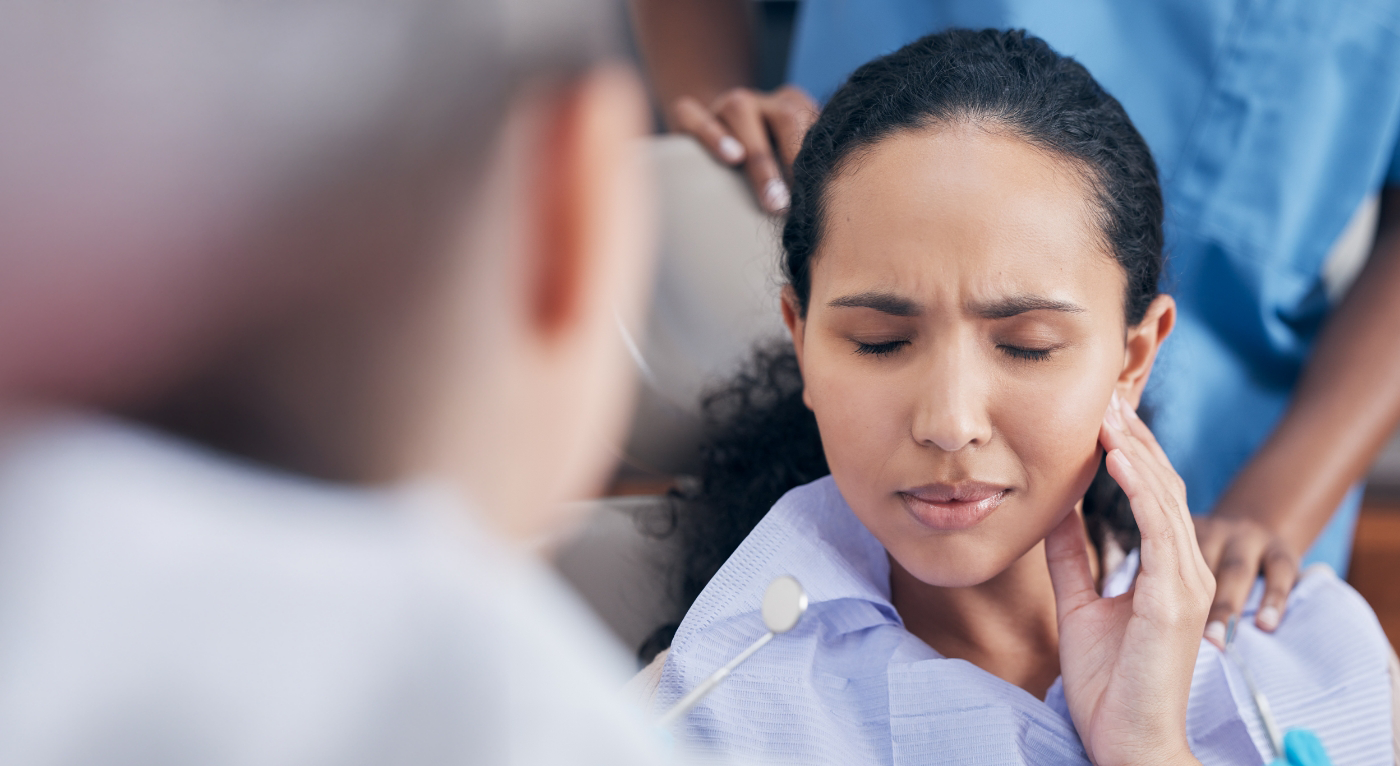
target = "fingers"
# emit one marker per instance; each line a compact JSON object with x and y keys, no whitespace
{"x":1234,"y":577}
{"x":741,"y":112}
{"x":1162,"y":544}
{"x":1158,"y":500}
{"x":1161,"y":464}
{"x":745,"y":128}
{"x":692,"y":117}
{"x":1130,"y":464}
{"x":1238,"y":550}
{"x":1127,"y":432}
{"x":1280,"y":575}
{"x":1068,"y":559}
{"x":1211,"y":541}
{"x":1135,"y":426}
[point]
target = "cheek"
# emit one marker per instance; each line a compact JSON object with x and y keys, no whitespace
{"x":861,"y":412}
{"x":1045,"y":423}
{"x":1052,"y":424}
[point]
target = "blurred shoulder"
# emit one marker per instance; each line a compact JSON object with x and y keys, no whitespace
{"x":164,"y":597}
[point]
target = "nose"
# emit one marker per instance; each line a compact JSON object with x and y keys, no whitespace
{"x":951,"y":412}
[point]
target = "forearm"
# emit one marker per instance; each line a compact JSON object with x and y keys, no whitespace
{"x":1346,"y":405}
{"x":697,"y":48}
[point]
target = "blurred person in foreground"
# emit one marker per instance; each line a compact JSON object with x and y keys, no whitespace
{"x":345,"y":279}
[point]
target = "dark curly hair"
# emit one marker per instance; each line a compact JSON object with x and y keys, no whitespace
{"x":761,"y":439}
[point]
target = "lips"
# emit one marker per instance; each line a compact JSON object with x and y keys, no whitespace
{"x":950,"y":507}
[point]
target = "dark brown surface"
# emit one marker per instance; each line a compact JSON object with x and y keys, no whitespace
{"x":641,"y":485}
{"x":1375,"y":561}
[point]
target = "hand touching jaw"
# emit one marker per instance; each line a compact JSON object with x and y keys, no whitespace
{"x":1128,"y":661}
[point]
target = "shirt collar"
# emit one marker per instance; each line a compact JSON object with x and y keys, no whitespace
{"x":812,"y":535}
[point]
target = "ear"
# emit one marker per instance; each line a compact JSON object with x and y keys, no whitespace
{"x":580,"y":211}
{"x":540,"y":372}
{"x":1140,"y":350}
{"x":797,"y":326}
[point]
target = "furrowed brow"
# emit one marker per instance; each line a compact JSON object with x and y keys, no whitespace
{"x":1020,"y":304}
{"x":887,"y":303}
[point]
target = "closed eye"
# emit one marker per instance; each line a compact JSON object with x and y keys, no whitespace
{"x":880,"y":349}
{"x":1029,"y":354}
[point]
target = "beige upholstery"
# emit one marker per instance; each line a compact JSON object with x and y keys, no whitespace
{"x":716,"y":294}
{"x":618,"y":570}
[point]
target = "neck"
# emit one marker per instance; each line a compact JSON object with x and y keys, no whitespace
{"x":1006,"y":625}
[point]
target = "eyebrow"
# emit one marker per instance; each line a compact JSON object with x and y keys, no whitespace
{"x":895,"y":305}
{"x":1020,"y":304}
{"x":887,"y":303}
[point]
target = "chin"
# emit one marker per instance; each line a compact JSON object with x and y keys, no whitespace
{"x":955,"y":566}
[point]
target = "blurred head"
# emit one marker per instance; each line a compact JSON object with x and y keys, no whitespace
{"x":364,"y":242}
{"x":972,"y":251}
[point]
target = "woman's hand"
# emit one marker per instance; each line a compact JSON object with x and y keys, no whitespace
{"x":754,"y":130}
{"x":1237,"y":550}
{"x":1127,"y":661}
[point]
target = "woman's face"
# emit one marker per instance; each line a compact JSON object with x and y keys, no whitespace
{"x":964,"y":334}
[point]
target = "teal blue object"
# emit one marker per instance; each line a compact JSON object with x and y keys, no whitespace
{"x":1302,"y":748}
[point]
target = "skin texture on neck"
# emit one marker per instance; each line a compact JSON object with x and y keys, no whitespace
{"x":1006,"y":625}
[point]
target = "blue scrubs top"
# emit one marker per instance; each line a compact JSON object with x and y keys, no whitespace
{"x":1271,"y":123}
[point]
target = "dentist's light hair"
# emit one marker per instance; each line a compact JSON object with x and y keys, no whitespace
{"x":148,"y":147}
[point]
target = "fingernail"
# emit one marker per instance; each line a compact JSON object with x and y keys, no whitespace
{"x":1122,"y":458}
{"x":775,"y":195}
{"x":1267,"y":618}
{"x":731,"y":150}
{"x":1215,"y":633}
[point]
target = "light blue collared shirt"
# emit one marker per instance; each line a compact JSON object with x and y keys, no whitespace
{"x":1271,"y":122}
{"x":849,"y":685}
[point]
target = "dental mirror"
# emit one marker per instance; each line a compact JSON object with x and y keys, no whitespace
{"x":784,"y":603}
